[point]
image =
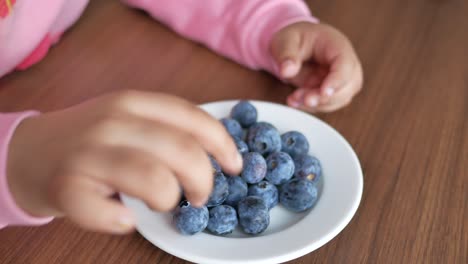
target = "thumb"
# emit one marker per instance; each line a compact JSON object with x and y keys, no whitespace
{"x":286,"y":51}
{"x":86,"y":203}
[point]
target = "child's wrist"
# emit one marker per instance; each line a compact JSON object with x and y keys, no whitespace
{"x":13,"y":202}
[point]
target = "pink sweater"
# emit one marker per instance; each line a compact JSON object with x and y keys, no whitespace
{"x":238,"y":29}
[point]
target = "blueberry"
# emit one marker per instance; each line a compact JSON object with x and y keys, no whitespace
{"x":245,"y":113}
{"x":253,"y":214}
{"x":220,"y":190}
{"x":298,"y":195}
{"x":190,"y":220}
{"x":280,"y":168}
{"x":267,"y":191}
{"x":223,"y":220}
{"x":307,"y":167}
{"x":233,"y":127}
{"x":263,"y":138}
{"x":237,"y":190}
{"x":294,"y":143}
{"x":254,"y":167}
{"x":241,"y":146}
{"x":214,"y":164}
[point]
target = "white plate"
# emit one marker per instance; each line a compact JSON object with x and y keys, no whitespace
{"x":289,"y":235}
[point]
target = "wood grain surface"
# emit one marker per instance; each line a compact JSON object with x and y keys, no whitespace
{"x":409,"y":126}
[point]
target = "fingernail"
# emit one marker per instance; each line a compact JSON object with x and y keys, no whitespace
{"x":312,"y":101}
{"x":288,"y":68}
{"x":125,"y":222}
{"x":239,"y":160}
{"x":295,"y":104}
{"x":198,"y":203}
{"x":329,"y":91}
{"x":299,"y":94}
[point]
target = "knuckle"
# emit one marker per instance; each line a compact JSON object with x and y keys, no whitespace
{"x":190,"y":111}
{"x":187,"y":106}
{"x":107,"y":124}
{"x":109,"y":127}
{"x":105,"y":128}
{"x":122,"y":100}
{"x":187,"y":145}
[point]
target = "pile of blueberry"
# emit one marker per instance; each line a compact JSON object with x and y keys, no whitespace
{"x":277,"y":169}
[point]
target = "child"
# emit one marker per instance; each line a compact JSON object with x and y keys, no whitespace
{"x":70,"y":162}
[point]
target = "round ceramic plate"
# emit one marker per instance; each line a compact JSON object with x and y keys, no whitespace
{"x":289,"y":235}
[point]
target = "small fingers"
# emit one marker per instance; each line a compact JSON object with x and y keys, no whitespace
{"x":136,"y":173}
{"x":310,"y":75}
{"x":176,"y":149}
{"x":341,"y":99}
{"x":286,"y":50}
{"x":342,"y":71}
{"x":304,"y":98}
{"x":311,"y":100}
{"x":188,"y":118}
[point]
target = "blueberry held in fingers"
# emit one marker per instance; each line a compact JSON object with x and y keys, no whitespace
{"x":190,"y":220}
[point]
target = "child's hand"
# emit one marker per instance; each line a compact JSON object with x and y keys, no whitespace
{"x":147,"y":145}
{"x":321,"y":62}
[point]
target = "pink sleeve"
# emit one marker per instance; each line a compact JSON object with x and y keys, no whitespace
{"x":10,"y":213}
{"x":238,"y":29}
{"x":23,"y":29}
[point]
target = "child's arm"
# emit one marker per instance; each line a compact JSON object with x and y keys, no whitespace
{"x":238,"y":29}
{"x":280,"y":36}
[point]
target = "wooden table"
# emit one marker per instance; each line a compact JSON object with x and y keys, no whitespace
{"x":409,"y":126}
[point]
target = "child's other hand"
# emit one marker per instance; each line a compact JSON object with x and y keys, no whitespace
{"x":69,"y":163}
{"x":321,"y":62}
